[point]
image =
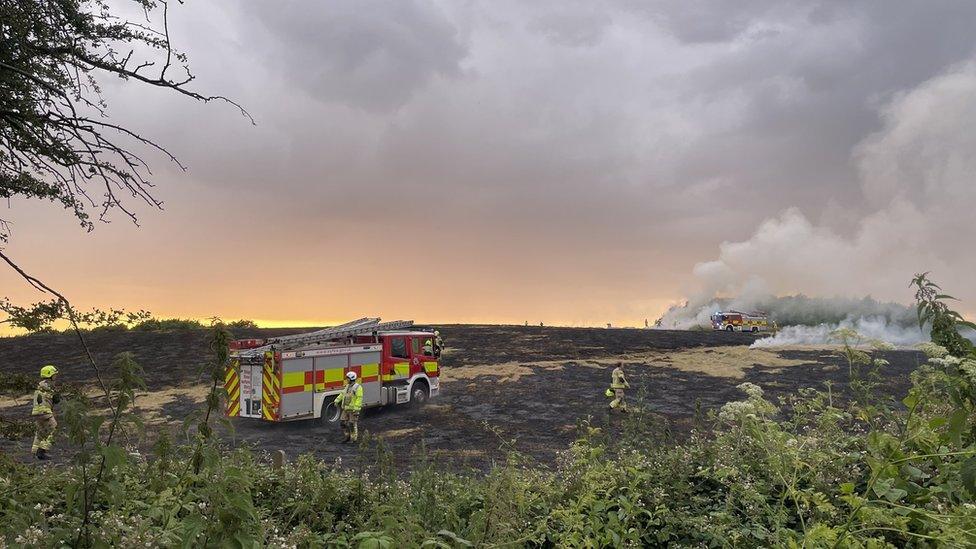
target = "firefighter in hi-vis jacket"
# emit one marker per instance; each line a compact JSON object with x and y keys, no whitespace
{"x":43,"y":413}
{"x":350,"y":402}
{"x":618,"y":382}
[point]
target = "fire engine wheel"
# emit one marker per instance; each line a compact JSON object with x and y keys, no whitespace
{"x":331,"y":412}
{"x":755,"y":329}
{"x":420,"y":394}
{"x":730,"y":328}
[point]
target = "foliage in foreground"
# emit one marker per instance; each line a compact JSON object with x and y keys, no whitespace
{"x":43,"y":316}
{"x":807,"y":471}
{"x":824,"y":476}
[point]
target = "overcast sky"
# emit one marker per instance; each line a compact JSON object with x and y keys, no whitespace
{"x":566,"y":162}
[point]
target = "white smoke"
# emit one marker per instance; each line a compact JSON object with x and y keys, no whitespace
{"x":793,"y":310}
{"x":876,"y":328}
{"x":918,"y":181}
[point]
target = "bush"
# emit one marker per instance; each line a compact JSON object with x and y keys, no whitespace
{"x":818,"y":476}
{"x":242,"y":323}
{"x":168,"y":325}
{"x":17,"y":384}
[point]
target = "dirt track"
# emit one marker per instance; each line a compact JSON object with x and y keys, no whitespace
{"x":527,"y":384}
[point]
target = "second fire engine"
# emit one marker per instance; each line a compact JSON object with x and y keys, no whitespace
{"x":737,"y":321}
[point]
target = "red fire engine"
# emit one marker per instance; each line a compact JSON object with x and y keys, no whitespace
{"x":297,"y":376}
{"x":738,"y":321}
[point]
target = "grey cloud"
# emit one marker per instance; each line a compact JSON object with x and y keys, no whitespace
{"x":582,"y":130}
{"x":808,"y":96}
{"x":711,"y":21}
{"x":372,"y":54}
{"x":574,"y":27}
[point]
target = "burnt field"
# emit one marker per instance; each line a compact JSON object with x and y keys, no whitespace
{"x":503,"y":387}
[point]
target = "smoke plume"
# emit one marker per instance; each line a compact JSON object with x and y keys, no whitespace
{"x":918,"y":193}
{"x":870,"y":327}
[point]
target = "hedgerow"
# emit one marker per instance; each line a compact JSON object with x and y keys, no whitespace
{"x":805,"y":471}
{"x":45,"y":316}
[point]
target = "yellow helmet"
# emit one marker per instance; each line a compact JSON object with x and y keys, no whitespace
{"x":609,"y":393}
{"x":49,"y":371}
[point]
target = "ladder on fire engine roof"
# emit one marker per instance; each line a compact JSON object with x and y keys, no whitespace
{"x":349,"y":329}
{"x":753,"y":313}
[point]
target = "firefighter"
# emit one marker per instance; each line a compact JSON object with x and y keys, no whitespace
{"x":43,"y":413}
{"x":350,"y":401}
{"x":429,"y":347}
{"x":438,"y":344}
{"x":618,"y":382}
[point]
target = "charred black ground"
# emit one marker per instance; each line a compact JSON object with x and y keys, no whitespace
{"x":525,"y":388}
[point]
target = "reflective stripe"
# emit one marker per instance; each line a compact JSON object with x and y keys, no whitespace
{"x":326,"y":379}
{"x":292,"y":380}
{"x":370,"y":371}
{"x":270,"y":388}
{"x":430,"y":367}
{"x":232,"y":384}
{"x":43,"y":397}
{"x":401,"y":370}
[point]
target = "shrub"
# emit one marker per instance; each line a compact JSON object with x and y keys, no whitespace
{"x":242,"y":323}
{"x":168,"y":324}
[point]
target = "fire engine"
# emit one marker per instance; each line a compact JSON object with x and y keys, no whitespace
{"x":297,"y":377}
{"x":737,"y":321}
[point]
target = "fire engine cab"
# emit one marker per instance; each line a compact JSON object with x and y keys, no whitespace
{"x":737,"y":321}
{"x":298,"y":376}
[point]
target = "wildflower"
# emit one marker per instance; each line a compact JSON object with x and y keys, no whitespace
{"x":932,"y":350}
{"x":968,"y":367}
{"x":750,"y":389}
{"x":880,"y":345}
{"x":732,"y":411}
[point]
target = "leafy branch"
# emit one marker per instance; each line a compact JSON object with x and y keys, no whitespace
{"x":56,"y":140}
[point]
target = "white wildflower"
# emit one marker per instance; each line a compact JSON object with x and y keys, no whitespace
{"x":968,"y":367}
{"x":750,"y":389}
{"x":946,"y":362}
{"x":881,"y":345}
{"x":932,"y":350}
{"x":732,"y":411}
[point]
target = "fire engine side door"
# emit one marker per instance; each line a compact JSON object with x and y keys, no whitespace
{"x":422,"y":362}
{"x":396,"y":358}
{"x":251,"y":377}
{"x":297,"y":397}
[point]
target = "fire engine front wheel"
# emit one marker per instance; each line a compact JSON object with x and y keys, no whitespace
{"x":420,"y":394}
{"x":730,"y":328}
